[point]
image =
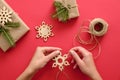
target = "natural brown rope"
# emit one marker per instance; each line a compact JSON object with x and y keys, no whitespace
{"x":93,"y":34}
{"x":64,"y":73}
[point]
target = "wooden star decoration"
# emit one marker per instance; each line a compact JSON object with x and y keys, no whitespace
{"x":61,"y":63}
{"x":44,"y":31}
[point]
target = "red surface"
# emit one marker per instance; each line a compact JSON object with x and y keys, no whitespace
{"x":33,"y":12}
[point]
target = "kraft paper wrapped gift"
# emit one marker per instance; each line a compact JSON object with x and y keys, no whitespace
{"x":16,"y":33}
{"x":73,"y":12}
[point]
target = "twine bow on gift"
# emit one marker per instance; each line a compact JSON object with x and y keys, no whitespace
{"x":62,"y":10}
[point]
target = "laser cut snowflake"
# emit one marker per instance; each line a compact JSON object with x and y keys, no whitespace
{"x":5,"y":15}
{"x":62,"y":63}
{"x":44,"y":31}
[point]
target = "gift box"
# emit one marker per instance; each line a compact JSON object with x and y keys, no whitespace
{"x":71,"y":6}
{"x":15,"y":33}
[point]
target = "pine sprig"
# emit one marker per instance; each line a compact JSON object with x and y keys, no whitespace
{"x":0,"y":29}
{"x":62,"y":13}
{"x":7,"y":36}
{"x":5,"y":32}
{"x":12,"y":24}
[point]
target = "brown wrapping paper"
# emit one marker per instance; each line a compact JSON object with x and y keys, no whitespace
{"x":16,"y":33}
{"x":73,"y":12}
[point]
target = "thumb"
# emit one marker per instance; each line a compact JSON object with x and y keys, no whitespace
{"x":77,"y":58}
{"x":52,"y":55}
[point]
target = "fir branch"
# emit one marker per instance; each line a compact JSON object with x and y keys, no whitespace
{"x":5,"y":32}
{"x":8,"y":37}
{"x":0,"y":29}
{"x":62,"y":13}
{"x":58,"y":4}
{"x":12,"y":24}
{"x":58,"y":13}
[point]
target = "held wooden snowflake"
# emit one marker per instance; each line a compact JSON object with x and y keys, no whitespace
{"x":60,"y":61}
{"x":5,"y":15}
{"x":44,"y":31}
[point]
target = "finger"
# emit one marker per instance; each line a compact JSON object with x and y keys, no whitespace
{"x":72,"y":61}
{"x":52,"y":55}
{"x":38,"y":50}
{"x":49,"y":49}
{"x":82,"y":50}
{"x":76,"y":57}
{"x":75,"y":66}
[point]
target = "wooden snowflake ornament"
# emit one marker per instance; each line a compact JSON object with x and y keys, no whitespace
{"x":44,"y":31}
{"x":60,"y":61}
{"x":5,"y":15}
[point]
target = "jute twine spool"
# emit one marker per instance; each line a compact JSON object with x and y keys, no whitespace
{"x":97,"y":27}
{"x":101,"y":24}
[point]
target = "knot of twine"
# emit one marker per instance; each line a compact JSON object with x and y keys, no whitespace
{"x":62,"y":10}
{"x":68,"y":6}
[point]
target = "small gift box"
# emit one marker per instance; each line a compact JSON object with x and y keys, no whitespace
{"x":65,"y":9}
{"x":12,"y":28}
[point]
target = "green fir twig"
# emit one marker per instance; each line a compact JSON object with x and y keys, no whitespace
{"x":12,"y":24}
{"x":7,"y":36}
{"x":5,"y":32}
{"x":62,"y":13}
{"x":0,"y":30}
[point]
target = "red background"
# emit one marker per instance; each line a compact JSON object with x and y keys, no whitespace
{"x":33,"y":12}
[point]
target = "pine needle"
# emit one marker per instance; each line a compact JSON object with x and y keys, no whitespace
{"x":8,"y":37}
{"x":62,"y":13}
{"x":12,"y":24}
{"x":0,"y":30}
{"x":6,"y":34}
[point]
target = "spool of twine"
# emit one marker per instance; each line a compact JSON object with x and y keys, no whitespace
{"x":96,"y":28}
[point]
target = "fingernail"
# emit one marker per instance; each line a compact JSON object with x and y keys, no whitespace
{"x":57,"y":52}
{"x":74,"y":67}
{"x":59,"y":48}
{"x":72,"y":61}
{"x":72,"y":52}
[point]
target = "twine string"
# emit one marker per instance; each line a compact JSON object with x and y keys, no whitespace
{"x":90,"y":29}
{"x":64,"y":73}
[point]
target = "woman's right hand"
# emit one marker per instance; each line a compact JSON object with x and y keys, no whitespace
{"x":85,"y":62}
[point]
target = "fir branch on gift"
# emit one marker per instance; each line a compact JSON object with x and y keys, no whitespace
{"x":7,"y":36}
{"x":12,"y":24}
{"x":5,"y":32}
{"x":0,"y":29}
{"x":62,"y":13}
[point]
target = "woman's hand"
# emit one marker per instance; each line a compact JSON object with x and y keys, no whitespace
{"x":84,"y":60}
{"x":41,"y":57}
